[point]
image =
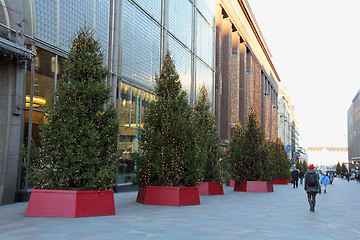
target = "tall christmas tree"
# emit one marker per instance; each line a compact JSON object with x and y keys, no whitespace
{"x":279,"y":158}
{"x":170,"y":153}
{"x":338,"y":169}
{"x":208,"y":137}
{"x":249,"y":155}
{"x":79,"y":139}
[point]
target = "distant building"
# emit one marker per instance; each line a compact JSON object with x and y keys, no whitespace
{"x":353,"y":127}
{"x":285,"y":119}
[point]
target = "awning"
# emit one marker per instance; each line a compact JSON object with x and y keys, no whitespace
{"x":10,"y":48}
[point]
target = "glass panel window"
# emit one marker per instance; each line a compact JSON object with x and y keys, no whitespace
{"x":74,"y":14}
{"x":152,"y":7}
{"x":204,"y":77}
{"x":141,"y":47}
{"x":207,"y":9}
{"x":46,"y":20}
{"x":135,"y":104}
{"x":182,"y":59}
{"x":180,"y":20}
{"x":204,"y":40}
{"x":125,"y":102}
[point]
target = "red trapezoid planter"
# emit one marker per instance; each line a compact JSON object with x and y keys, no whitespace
{"x":211,"y":188}
{"x":281,"y":181}
{"x":231,"y":183}
{"x":70,"y":204}
{"x":168,"y":196}
{"x":254,"y":186}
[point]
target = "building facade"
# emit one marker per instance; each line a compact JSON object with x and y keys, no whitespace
{"x":245,"y":75}
{"x":353,"y":128}
{"x":284,"y":121}
{"x":216,"y":44}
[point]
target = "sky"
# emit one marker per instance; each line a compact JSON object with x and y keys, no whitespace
{"x":315,"y":47}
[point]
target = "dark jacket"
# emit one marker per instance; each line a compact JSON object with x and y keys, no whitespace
{"x":315,"y":188}
{"x":295,"y":174}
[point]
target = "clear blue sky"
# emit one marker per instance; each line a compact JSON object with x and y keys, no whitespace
{"x":315,"y":46}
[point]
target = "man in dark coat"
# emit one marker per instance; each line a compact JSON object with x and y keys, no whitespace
{"x":312,"y":188}
{"x":295,"y":177}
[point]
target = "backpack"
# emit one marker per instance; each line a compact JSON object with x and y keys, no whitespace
{"x":311,"y":179}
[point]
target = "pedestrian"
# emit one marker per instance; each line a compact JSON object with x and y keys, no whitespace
{"x":312,"y":186}
{"x":331,"y":177}
{"x":295,"y":177}
{"x":324,"y":181}
{"x":301,"y":176}
{"x":357,"y":177}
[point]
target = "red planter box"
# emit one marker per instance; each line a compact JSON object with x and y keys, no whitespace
{"x":254,"y":186}
{"x":231,"y":183}
{"x":168,"y":196}
{"x":281,"y":181}
{"x":70,"y":204}
{"x":211,"y":188}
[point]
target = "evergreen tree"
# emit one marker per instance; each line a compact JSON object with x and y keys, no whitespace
{"x":171,"y":155}
{"x":343,"y":168}
{"x":338,"y":169}
{"x":279,"y":158}
{"x":208,"y":137}
{"x":79,"y":140}
{"x":249,"y":155}
{"x":238,"y":169}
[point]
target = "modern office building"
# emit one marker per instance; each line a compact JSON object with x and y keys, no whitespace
{"x":216,"y":44}
{"x":245,"y":75}
{"x":353,"y":128}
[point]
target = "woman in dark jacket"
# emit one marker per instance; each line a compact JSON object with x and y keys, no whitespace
{"x":312,"y":188}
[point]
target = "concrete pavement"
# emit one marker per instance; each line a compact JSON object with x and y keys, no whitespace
{"x":283,"y":214}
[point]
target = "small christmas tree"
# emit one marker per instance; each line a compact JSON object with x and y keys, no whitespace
{"x":79,"y":139}
{"x":278,"y":156}
{"x":209,"y":139}
{"x":171,"y":155}
{"x":249,"y":156}
{"x":344,"y":169}
{"x":338,"y":169}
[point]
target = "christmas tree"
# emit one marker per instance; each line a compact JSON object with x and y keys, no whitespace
{"x":79,"y":140}
{"x":344,"y":169}
{"x":338,"y":169}
{"x":170,"y":154}
{"x":279,"y":158}
{"x":249,"y":155}
{"x":209,"y":139}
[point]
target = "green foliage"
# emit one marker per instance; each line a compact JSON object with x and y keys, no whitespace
{"x":338,"y":169}
{"x":248,"y":155}
{"x":344,"y":169}
{"x":79,"y":140}
{"x":208,"y":138}
{"x":171,"y":155}
{"x":279,"y":158}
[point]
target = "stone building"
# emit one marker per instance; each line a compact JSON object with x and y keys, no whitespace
{"x":353,"y":128}
{"x":245,"y":75}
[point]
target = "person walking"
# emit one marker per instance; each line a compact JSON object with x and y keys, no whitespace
{"x":301,"y":176}
{"x":295,"y":177}
{"x":312,"y":186}
{"x":324,"y":181}
{"x":331,"y":177}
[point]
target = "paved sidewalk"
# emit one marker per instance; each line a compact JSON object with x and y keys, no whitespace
{"x":283,"y":214}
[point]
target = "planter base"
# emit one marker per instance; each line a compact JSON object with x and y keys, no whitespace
{"x":231,"y":183}
{"x":168,"y":196}
{"x":70,"y":204}
{"x":254,"y":186}
{"x":211,"y":188}
{"x":280,"y":181}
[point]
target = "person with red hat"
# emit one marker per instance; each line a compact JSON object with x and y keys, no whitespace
{"x":312,"y":186}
